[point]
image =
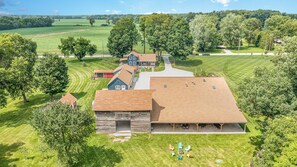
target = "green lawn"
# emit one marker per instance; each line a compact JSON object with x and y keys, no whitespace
{"x":20,"y":145}
{"x":233,"y":68}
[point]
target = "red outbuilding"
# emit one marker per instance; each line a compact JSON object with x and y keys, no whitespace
{"x":103,"y":74}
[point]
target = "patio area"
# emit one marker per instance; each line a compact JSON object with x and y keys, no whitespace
{"x":194,"y":129}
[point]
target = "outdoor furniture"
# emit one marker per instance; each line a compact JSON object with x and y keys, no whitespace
{"x":171,"y":148}
{"x":179,"y":157}
{"x":189,"y":156}
{"x":172,"y":153}
{"x":180,"y":146}
{"x":188,"y":148}
{"x":181,"y":152}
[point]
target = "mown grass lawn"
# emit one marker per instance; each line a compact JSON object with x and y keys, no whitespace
{"x":233,"y":68}
{"x":20,"y":145}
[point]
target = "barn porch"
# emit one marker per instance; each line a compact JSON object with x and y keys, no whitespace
{"x":166,"y":128}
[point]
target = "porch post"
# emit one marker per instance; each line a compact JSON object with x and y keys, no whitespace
{"x":221,"y":127}
{"x":244,"y":129}
{"x":173,"y":127}
{"x":197,"y":127}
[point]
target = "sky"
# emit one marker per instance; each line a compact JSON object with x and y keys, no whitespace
{"x":91,"y":7}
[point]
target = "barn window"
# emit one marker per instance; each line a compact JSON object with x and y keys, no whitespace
{"x":117,"y":87}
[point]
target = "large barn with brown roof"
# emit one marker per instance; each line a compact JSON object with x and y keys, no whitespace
{"x":174,"y":105}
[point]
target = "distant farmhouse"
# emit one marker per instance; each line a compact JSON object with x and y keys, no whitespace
{"x":172,"y":105}
{"x":140,"y":60}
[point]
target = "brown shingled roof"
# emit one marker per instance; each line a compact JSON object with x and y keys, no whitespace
{"x":147,"y":58}
{"x":123,"y":100}
{"x":132,"y":52}
{"x":193,"y":100}
{"x":68,"y":99}
{"x":103,"y":71}
{"x":125,"y":67}
{"x":124,"y":76}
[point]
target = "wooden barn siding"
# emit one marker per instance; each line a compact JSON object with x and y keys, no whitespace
{"x":106,"y":121}
{"x":140,"y":123}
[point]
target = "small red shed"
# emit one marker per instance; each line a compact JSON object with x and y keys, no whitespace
{"x":103,"y":74}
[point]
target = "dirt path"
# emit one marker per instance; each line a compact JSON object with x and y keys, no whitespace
{"x":53,"y":34}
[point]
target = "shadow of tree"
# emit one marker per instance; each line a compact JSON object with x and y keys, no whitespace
{"x":6,"y":151}
{"x":79,"y":95}
{"x":95,"y":156}
{"x":14,"y":118}
{"x":21,"y":115}
{"x":188,"y":63}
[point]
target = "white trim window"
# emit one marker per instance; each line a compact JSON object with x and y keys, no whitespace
{"x":134,"y":63}
{"x":118,"y":87}
{"x":123,"y":87}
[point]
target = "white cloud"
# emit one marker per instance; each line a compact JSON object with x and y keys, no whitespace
{"x":113,"y":11}
{"x":173,"y":10}
{"x":122,"y":2}
{"x":224,"y":2}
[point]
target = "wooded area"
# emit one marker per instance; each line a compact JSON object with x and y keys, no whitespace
{"x":13,"y":22}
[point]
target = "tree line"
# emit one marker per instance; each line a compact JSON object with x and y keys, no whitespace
{"x":177,"y":36}
{"x":13,"y":22}
{"x":271,"y":96}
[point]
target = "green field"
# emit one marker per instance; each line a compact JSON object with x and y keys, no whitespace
{"x":48,"y":38}
{"x":20,"y":145}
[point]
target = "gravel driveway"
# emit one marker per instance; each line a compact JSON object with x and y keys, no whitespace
{"x":144,"y":77}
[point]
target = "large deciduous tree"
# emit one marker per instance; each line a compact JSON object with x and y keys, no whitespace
{"x":92,"y":21}
{"x":123,"y":37}
{"x":142,"y":28}
{"x":287,"y":62}
{"x":288,"y":45}
{"x":157,"y":31}
{"x":204,"y":32}
{"x":64,"y":129}
{"x":51,"y":74}
{"x":4,"y":82}
{"x":231,"y":29}
{"x":277,"y":25}
{"x":280,"y":144}
{"x":14,"y":45}
{"x":180,"y":41}
{"x":21,"y":81}
{"x":268,"y":93}
{"x":251,"y":29}
{"x":80,"y":47}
